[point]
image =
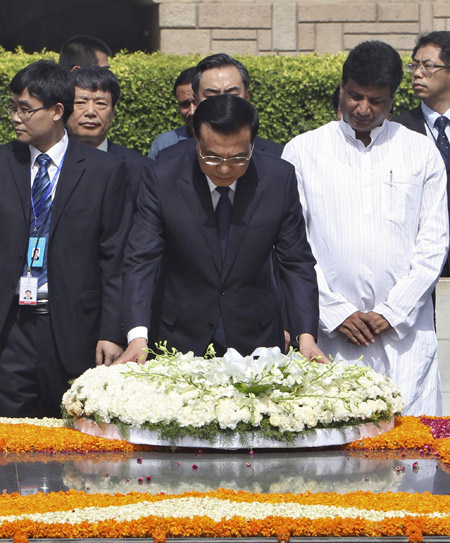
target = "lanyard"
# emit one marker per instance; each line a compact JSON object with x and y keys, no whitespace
{"x":48,"y":192}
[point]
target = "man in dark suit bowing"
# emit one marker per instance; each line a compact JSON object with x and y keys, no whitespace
{"x":65,"y":199}
{"x":430,"y":73}
{"x":209,"y":222}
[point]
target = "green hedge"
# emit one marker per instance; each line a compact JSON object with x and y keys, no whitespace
{"x":291,"y":94}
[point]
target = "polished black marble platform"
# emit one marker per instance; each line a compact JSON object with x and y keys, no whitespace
{"x":175,"y":472}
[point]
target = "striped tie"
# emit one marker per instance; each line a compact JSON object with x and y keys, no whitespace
{"x":40,"y":210}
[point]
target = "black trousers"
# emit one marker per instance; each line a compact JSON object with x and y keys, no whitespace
{"x":32,"y":378}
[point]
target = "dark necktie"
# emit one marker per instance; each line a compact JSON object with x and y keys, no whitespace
{"x":442,"y":140}
{"x":224,"y":210}
{"x":40,"y":210}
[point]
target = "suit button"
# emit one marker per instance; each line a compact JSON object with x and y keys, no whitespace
{"x":21,"y":256}
{"x":222,"y":293}
{"x":210,"y":325}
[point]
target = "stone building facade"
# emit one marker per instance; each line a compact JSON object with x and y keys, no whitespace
{"x":263,"y":27}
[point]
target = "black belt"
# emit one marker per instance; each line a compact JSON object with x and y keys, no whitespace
{"x":41,"y":308}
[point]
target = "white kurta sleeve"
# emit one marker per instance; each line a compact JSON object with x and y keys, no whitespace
{"x":334,"y":308}
{"x":408,"y":295}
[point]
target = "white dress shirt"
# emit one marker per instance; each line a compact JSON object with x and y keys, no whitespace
{"x":377,"y":221}
{"x":430,"y":117}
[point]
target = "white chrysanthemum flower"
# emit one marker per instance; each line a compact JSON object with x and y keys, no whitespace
{"x":193,"y":391}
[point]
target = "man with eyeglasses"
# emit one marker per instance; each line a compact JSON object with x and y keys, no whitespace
{"x":374,"y":199}
{"x":208,"y":221}
{"x":63,"y":233}
{"x":215,"y":75}
{"x":430,"y":74}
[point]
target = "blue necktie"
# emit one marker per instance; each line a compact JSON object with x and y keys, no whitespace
{"x":40,"y":210}
{"x":442,"y":140}
{"x":224,"y":210}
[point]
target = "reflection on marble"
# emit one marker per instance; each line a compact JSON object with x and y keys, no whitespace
{"x":175,"y":472}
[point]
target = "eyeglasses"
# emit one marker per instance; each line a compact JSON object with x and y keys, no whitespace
{"x":218,"y":160}
{"x":427,"y":68}
{"x":23,"y":112}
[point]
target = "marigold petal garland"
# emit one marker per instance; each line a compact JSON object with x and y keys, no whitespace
{"x":355,"y":514}
{"x":408,"y":433}
{"x":21,"y":438}
{"x":224,"y":513}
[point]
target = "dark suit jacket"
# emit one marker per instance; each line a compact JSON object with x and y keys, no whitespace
{"x":261,"y":144}
{"x":135,"y":163}
{"x":175,"y":226}
{"x":85,"y":250}
{"x":414,"y":120}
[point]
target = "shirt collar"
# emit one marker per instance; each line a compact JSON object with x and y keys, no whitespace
{"x":56,"y":153}
{"x":212,"y":186}
{"x":349,"y":132}
{"x":430,"y":115}
{"x":103,"y":145}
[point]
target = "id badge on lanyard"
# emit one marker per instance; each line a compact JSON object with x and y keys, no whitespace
{"x":37,"y":245}
{"x":28,"y":290}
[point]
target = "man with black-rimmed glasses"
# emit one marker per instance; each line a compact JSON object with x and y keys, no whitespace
{"x":62,"y":235}
{"x":430,"y":75}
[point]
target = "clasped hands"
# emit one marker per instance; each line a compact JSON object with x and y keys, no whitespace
{"x":361,"y":328}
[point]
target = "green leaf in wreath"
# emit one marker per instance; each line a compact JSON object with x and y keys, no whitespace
{"x":252,"y":389}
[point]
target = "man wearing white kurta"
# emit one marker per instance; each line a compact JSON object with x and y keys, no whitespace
{"x":375,"y":204}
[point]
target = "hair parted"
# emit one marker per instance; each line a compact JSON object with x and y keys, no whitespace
{"x":219,"y":60}
{"x":226,"y":114}
{"x":373,"y":63}
{"x":48,"y":82}
{"x":97,"y":78}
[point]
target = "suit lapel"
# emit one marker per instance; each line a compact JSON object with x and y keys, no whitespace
{"x":195,"y":190}
{"x":418,"y":121}
{"x":19,"y":163}
{"x":71,"y":173}
{"x":248,"y":195}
